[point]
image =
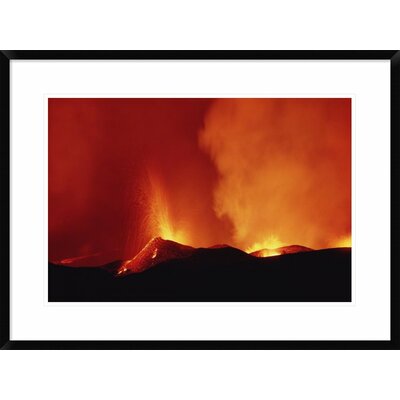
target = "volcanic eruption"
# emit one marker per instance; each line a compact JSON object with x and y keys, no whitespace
{"x":156,"y":251}
{"x":138,"y":185}
{"x":280,"y":251}
{"x":159,"y":250}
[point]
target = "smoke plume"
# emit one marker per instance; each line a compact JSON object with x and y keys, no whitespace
{"x":284,"y":169}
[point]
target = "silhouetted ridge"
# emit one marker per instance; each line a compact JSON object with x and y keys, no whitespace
{"x":223,"y":274}
{"x":156,"y":251}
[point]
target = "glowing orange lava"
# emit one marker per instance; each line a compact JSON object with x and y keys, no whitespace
{"x":259,"y":174}
{"x":269,"y":253}
{"x":272,"y":242}
{"x":160,"y":219}
{"x":344,"y":241}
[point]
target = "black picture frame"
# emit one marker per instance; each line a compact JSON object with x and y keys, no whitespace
{"x":7,"y":56}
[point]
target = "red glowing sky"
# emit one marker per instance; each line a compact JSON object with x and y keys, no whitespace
{"x":247,"y":172}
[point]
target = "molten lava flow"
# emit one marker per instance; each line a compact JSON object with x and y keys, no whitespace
{"x":266,"y":253}
{"x":272,"y":242}
{"x":73,"y":260}
{"x":280,"y":251}
{"x":88,"y":260}
{"x":156,"y":251}
{"x":123,"y":269}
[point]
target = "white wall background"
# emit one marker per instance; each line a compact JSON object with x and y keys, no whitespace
{"x":206,"y":24}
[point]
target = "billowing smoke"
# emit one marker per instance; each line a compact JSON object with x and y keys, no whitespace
{"x":284,"y":169}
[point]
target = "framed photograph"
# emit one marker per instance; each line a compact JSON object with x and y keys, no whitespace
{"x":200,"y":199}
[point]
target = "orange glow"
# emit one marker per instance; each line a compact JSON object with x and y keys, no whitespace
{"x":254,"y":173}
{"x":160,"y":220}
{"x":342,"y":242}
{"x":123,"y":269}
{"x":269,"y":253}
{"x":73,"y":260}
{"x":284,"y":169}
{"x":272,"y":242}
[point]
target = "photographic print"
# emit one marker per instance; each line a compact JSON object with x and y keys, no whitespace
{"x":199,"y":199}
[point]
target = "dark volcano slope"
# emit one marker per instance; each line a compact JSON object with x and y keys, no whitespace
{"x":222,"y":274}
